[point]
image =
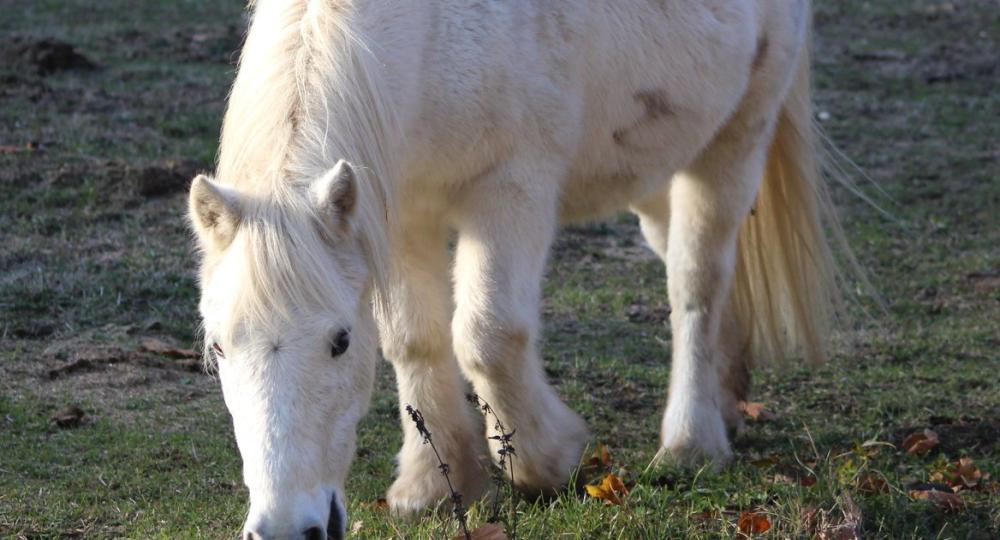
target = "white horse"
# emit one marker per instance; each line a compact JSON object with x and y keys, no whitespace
{"x":497,"y":121}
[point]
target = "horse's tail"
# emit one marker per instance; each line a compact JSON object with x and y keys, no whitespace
{"x":785,"y":292}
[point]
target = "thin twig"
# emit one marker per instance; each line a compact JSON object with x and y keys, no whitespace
{"x":505,"y":461}
{"x":456,"y":497}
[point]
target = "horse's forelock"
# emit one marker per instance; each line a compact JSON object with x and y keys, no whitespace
{"x":284,"y":270}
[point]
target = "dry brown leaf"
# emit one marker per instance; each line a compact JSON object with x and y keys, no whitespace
{"x":598,"y":461}
{"x":601,"y":455}
{"x":489,"y":531}
{"x":611,"y":490}
{"x":754,"y":523}
{"x":942,"y":500}
{"x":808,"y":480}
{"x":871,"y":483}
{"x":920,"y":442}
{"x":756,"y":411}
{"x":158,"y":346}
{"x":68,"y":417}
{"x":379,"y":504}
{"x":962,"y":474}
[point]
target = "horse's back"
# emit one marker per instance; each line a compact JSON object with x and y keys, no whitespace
{"x":623,"y":93}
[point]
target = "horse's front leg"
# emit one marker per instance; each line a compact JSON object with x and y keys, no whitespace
{"x":417,"y":340}
{"x":506,"y":223}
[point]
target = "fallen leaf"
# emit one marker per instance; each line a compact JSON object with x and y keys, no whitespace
{"x":158,"y":346}
{"x":601,"y":456}
{"x":942,"y":500}
{"x":756,"y":411}
{"x":611,"y":490}
{"x":871,"y":483}
{"x":68,"y":417}
{"x":754,"y":523}
{"x":920,"y":442}
{"x":380,"y":504}
{"x":808,"y":480}
{"x":599,"y":461}
{"x":357,"y":526}
{"x":962,"y":474}
{"x":489,"y":531}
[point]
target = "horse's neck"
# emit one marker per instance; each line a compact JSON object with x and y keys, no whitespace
{"x":306,"y":95}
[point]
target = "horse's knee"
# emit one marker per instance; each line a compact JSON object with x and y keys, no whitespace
{"x":407,"y":346}
{"x":490,"y":345}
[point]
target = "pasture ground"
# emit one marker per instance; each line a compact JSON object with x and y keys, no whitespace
{"x":96,"y":258}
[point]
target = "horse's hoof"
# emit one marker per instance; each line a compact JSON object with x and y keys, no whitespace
{"x":545,"y":461}
{"x":696,"y":440}
{"x":417,"y":490}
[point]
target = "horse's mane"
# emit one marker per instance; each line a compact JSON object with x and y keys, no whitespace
{"x":305,"y":96}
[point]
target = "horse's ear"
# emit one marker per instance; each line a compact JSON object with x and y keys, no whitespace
{"x":336,"y":195}
{"x":214,"y":211}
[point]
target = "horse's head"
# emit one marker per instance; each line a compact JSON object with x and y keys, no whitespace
{"x":285,"y":303}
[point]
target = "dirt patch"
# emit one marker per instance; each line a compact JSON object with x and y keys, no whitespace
{"x":126,"y":183}
{"x":43,"y":56}
{"x":108,"y":374}
{"x":163,"y":178}
{"x":198,"y":43}
{"x":645,"y":312}
{"x":70,"y":416}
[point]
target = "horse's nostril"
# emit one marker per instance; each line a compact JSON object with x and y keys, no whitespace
{"x":335,"y":525}
{"x":315,"y":533}
{"x":250,"y":536}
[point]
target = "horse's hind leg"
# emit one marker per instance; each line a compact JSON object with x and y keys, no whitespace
{"x":506,"y":223}
{"x":709,"y":204}
{"x":734,"y":373}
{"x":417,"y":340}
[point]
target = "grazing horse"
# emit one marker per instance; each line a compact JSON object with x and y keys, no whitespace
{"x":362,"y":134}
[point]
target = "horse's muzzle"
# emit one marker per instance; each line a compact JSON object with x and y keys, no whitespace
{"x":335,"y":527}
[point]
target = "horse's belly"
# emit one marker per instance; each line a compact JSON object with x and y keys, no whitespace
{"x":599,"y":193}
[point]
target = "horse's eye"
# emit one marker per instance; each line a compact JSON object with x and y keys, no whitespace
{"x":340,"y":343}
{"x":218,"y":350}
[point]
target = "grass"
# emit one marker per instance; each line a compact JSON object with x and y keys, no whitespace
{"x":88,"y":261}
